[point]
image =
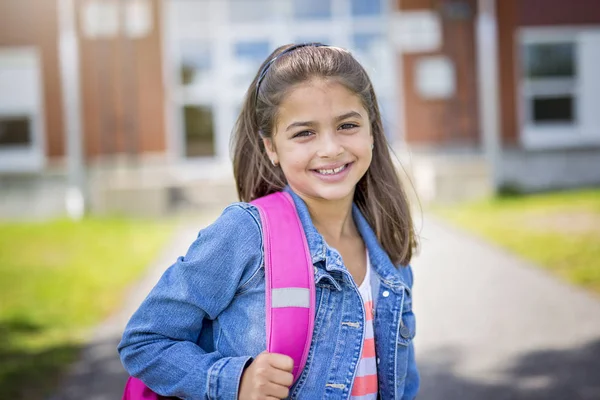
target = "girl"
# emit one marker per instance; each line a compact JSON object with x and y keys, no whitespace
{"x":310,"y":125}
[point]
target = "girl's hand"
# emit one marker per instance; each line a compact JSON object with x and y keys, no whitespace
{"x":269,"y":376}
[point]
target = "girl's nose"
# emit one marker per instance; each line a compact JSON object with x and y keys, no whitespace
{"x":329,"y":146}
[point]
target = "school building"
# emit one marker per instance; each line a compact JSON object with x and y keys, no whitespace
{"x":135,"y":100}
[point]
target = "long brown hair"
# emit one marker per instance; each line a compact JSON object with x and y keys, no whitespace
{"x":379,"y":194}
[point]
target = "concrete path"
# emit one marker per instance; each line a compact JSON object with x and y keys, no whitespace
{"x":491,"y":326}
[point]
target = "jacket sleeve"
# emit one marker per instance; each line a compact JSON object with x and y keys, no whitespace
{"x":159,"y":343}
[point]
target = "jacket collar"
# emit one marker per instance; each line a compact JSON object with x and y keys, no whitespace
{"x":380,"y":261}
{"x":316,"y":243}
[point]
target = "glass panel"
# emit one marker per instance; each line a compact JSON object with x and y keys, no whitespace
{"x":255,"y":52}
{"x":196,"y":62}
{"x":312,"y":39}
{"x":366,"y":7}
{"x":199,"y":131}
{"x":312,"y":9}
{"x":15,"y":131}
{"x":549,"y":60}
{"x":249,"y":56}
{"x":365,"y":42}
{"x":553,"y":109}
{"x":250,"y":10}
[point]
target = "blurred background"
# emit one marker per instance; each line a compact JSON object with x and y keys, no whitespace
{"x":115,"y":121}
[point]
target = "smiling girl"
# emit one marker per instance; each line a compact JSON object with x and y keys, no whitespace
{"x":310,"y":126}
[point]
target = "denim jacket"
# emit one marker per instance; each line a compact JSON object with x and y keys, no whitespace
{"x":204,"y":321}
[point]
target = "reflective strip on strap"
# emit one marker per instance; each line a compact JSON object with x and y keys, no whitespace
{"x":290,"y":297}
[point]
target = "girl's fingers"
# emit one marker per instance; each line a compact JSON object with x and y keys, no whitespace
{"x":277,"y":391}
{"x":281,"y":361}
{"x":282,"y":378}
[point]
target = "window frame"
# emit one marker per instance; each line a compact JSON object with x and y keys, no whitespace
{"x":550,"y":135}
{"x":29,"y":157}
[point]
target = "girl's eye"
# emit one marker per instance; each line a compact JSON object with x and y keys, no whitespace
{"x":302,"y":134}
{"x":348,"y":125}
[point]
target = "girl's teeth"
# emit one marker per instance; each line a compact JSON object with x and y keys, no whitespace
{"x":331,"y":171}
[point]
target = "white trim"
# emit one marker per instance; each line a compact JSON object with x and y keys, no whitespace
{"x":488,"y":89}
{"x":167,"y":72}
{"x":393,"y":10}
{"x":290,"y":297}
{"x":547,"y":138}
{"x":69,"y":70}
{"x":549,"y":87}
{"x":554,"y":34}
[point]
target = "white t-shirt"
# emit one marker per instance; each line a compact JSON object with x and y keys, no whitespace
{"x":365,"y":383}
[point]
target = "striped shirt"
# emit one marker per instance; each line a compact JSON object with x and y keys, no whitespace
{"x":365,"y":382}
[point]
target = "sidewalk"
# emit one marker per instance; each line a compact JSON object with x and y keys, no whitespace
{"x":99,"y":375}
{"x":492,"y":326}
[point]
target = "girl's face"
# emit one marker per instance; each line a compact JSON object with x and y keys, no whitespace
{"x":322,"y":140}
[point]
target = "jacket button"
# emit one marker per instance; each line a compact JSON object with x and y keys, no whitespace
{"x":385,"y":293}
{"x":405,"y":332}
{"x":378,"y":360}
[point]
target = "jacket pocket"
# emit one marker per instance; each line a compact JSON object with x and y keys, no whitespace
{"x":407,"y":328}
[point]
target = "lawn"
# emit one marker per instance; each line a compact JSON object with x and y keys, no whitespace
{"x":558,"y":231}
{"x":58,"y":279}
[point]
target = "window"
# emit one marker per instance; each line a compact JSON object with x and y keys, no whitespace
{"x":560,"y":86}
{"x":249,"y":56}
{"x":362,"y":8}
{"x":365,"y":42}
{"x":22,"y":136}
{"x":254,"y":52}
{"x":550,"y":76}
{"x":196,"y":63}
{"x":371,"y":50}
{"x":312,"y":9}
{"x":550,"y":60}
{"x":199,"y":131}
{"x":14,"y":131}
{"x":552,"y":109}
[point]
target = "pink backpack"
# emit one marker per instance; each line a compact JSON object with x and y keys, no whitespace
{"x":289,"y":291}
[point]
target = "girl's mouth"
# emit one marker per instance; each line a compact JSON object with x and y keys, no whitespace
{"x":333,"y":173}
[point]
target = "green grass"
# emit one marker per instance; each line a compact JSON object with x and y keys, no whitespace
{"x":58,"y":279}
{"x":558,"y":231}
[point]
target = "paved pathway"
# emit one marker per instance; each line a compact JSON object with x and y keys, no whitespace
{"x":491,"y":326}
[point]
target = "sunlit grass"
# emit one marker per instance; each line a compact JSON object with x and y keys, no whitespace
{"x":57,"y":279}
{"x":558,"y":231}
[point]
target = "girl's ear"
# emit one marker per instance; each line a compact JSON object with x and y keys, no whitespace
{"x":270,"y":148}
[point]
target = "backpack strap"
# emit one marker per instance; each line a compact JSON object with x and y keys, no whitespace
{"x":289,"y":280}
